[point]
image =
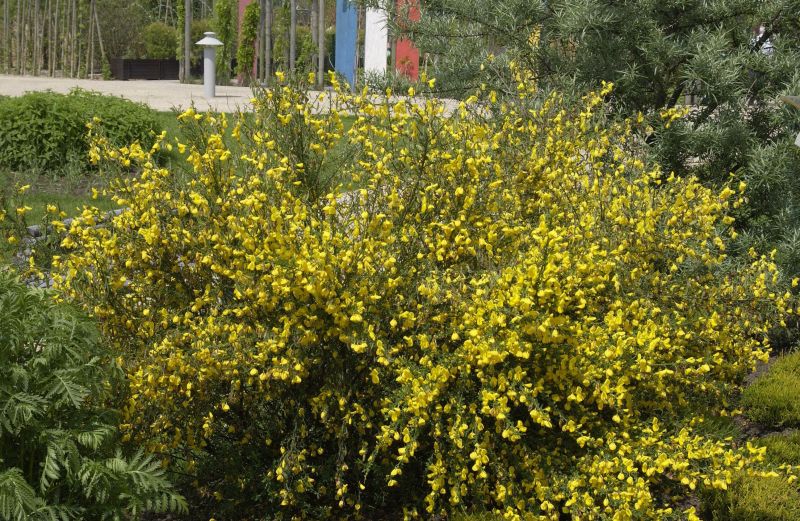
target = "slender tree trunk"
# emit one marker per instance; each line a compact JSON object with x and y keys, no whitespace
{"x":321,"y":45}
{"x":43,"y":37}
{"x":47,"y":35}
{"x":6,"y":36}
{"x":21,"y":37}
{"x":285,"y":35}
{"x":78,"y":38}
{"x":25,"y":40}
{"x":36,"y":38}
{"x":314,"y":22}
{"x":53,"y":39}
{"x":269,"y":22}
{"x":73,"y":41}
{"x":6,"y":47}
{"x":90,"y":43}
{"x":260,"y":39}
{"x":292,"y":34}
{"x":20,"y":58}
{"x":6,"y":64}
{"x":99,"y":39}
{"x":64,"y":38}
{"x":187,"y":40}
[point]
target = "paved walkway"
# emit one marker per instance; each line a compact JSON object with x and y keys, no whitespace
{"x":163,"y":95}
{"x":159,"y":94}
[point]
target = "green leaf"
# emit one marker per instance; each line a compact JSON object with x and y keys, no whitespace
{"x":67,"y":389}
{"x":17,"y":497}
{"x":19,"y":409}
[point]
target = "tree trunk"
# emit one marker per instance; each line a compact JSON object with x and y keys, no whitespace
{"x":25,"y":43}
{"x":18,"y":38}
{"x":73,"y":41}
{"x":47,"y":28}
{"x":6,"y":48}
{"x":90,"y":43}
{"x":314,"y":22}
{"x":79,"y":66}
{"x":268,"y":42}
{"x":54,"y":38}
{"x":99,"y":39}
{"x":321,"y":45}
{"x":64,"y":37}
{"x":292,"y":34}
{"x":187,"y":40}
{"x":35,"y":38}
{"x":262,"y":28}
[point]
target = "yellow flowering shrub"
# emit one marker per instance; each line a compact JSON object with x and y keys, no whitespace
{"x":422,"y":313}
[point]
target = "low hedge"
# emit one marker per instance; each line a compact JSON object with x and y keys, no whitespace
{"x":47,"y":130}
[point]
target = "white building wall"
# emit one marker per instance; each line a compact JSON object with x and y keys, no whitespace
{"x":376,"y":41}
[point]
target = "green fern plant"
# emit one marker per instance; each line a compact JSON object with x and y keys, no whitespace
{"x":60,"y":457}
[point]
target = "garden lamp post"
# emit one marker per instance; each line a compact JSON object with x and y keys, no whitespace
{"x":795,"y":102}
{"x":209,"y":45}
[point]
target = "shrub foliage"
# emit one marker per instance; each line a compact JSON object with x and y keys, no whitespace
{"x":46,"y":130}
{"x":59,"y":448}
{"x":772,"y":400}
{"x":246,"y":53}
{"x":426,"y":313}
{"x":656,"y":53}
{"x":160,"y":41}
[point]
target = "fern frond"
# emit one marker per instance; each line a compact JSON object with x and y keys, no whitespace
{"x":51,"y":470}
{"x":19,"y":409}
{"x":95,"y":437}
{"x":66,"y":388}
{"x":17,"y":497}
{"x":56,"y":513}
{"x":95,"y":479}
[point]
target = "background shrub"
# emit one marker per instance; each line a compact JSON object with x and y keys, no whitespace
{"x":773,"y":399}
{"x":199,"y":28}
{"x":60,"y":456}
{"x":755,"y":499}
{"x":246,"y":52}
{"x":511,"y":313}
{"x":46,"y":130}
{"x":783,"y":448}
{"x":306,"y":50}
{"x":160,"y":41}
{"x":225,"y":23}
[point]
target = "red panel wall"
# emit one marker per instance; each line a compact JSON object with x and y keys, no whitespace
{"x":406,"y":55}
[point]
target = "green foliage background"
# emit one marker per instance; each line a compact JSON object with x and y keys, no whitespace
{"x":247,"y":38}
{"x":656,"y":52}
{"x":47,"y":131}
{"x":60,"y":456}
{"x":225,"y":24}
{"x":160,"y":41}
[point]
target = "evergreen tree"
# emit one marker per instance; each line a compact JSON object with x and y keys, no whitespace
{"x":731,"y":58}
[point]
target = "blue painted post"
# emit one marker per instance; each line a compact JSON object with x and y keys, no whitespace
{"x":346,"y":34}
